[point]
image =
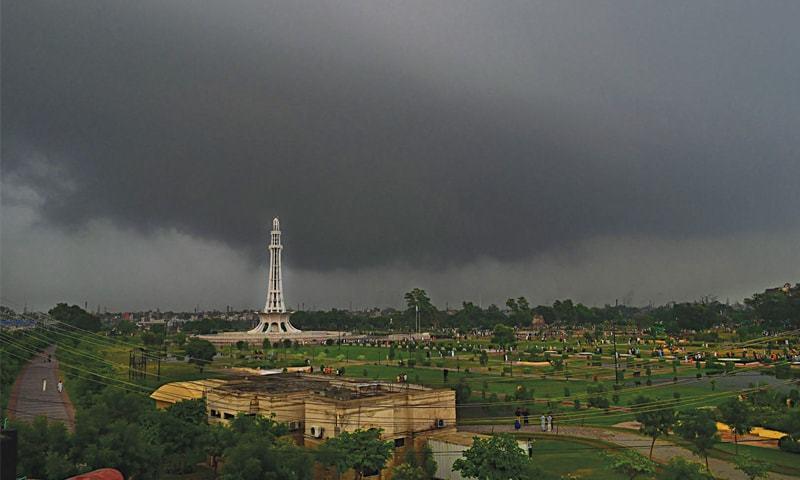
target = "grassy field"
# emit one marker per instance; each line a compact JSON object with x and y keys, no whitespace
{"x":494,"y":386}
{"x":552,"y":388}
{"x":574,"y":457}
{"x":781,"y":462}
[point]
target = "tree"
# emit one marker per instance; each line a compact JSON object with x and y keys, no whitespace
{"x":777,"y":307}
{"x":418,"y":297}
{"x":503,"y":336}
{"x":422,"y":459}
{"x":125,"y":327}
{"x":655,"y":423}
{"x":405,"y":471}
{"x":738,"y":416}
{"x":361,"y":450}
{"x":218,"y":439}
{"x":180,"y":432}
{"x":200,"y":352}
{"x":152,"y":339}
{"x":521,"y":314}
{"x":631,"y":464}
{"x":463,"y":391}
{"x":496,"y":458}
{"x":698,"y":428}
{"x":115,"y":431}
{"x":752,"y":467}
{"x":43,"y":439}
{"x":257,"y":452}
{"x":680,"y":469}
{"x":75,"y":316}
{"x":259,"y":457}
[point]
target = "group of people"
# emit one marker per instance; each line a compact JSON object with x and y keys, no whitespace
{"x":60,"y":384}
{"x":523,"y":415}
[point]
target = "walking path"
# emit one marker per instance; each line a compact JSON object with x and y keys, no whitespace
{"x":662,"y":452}
{"x":28,"y":398}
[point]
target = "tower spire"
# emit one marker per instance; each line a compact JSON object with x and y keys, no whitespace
{"x":275,"y":286}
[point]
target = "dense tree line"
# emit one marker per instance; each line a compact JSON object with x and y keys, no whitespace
{"x":774,"y":309}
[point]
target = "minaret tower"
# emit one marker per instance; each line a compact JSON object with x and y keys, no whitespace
{"x":275,"y":286}
{"x":274,"y":317}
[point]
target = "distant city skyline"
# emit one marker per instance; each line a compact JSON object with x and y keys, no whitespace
{"x":645,"y":152}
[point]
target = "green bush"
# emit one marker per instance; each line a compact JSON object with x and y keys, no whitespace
{"x":789,"y":444}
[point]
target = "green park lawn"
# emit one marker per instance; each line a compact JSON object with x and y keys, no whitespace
{"x":576,"y":457}
{"x":781,"y":462}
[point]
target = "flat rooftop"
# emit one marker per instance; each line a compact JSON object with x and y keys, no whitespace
{"x":337,"y":388}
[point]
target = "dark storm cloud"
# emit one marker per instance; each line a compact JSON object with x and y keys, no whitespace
{"x":422,"y":133}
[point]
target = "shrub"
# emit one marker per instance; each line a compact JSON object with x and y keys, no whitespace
{"x":789,"y":443}
{"x":598,"y":402}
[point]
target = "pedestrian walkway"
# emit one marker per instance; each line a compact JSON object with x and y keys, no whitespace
{"x":662,"y":452}
{"x":35,"y":392}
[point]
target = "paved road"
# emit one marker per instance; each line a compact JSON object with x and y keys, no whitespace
{"x":28,"y":400}
{"x":662,"y":452}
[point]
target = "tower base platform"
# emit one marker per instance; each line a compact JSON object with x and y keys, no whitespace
{"x":308,"y":336}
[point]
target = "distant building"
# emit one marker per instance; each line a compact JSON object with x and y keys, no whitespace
{"x":17,"y":323}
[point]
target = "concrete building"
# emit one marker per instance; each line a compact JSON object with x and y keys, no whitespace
{"x":318,"y":407}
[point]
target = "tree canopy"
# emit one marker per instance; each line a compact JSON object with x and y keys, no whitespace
{"x":75,"y":316}
{"x":654,"y":423}
{"x":361,"y":450}
{"x":496,"y":458}
{"x":699,"y":429}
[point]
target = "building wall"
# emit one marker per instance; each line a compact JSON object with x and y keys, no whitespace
{"x":445,"y":454}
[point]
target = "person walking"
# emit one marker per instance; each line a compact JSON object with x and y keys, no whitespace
{"x":549,"y":423}
{"x":60,"y":386}
{"x":544,"y":422}
{"x":525,"y":414}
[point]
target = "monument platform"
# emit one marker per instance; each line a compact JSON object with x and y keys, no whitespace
{"x":304,"y":336}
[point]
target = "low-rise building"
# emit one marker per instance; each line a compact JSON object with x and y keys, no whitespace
{"x":319,"y":407}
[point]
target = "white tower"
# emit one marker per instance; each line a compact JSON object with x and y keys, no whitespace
{"x":275,"y":285}
{"x":274,"y":318}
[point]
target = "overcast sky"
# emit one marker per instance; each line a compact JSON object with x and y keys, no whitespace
{"x":641,"y":151}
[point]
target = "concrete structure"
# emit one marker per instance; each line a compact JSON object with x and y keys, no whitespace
{"x":174,"y":392}
{"x":319,"y":407}
{"x":274,"y":323}
{"x":274,"y":319}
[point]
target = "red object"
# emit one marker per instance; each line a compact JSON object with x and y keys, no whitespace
{"x":102,"y":474}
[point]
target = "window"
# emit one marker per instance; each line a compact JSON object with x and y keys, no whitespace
{"x":399,"y":442}
{"x":227,"y":416}
{"x":214,"y":413}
